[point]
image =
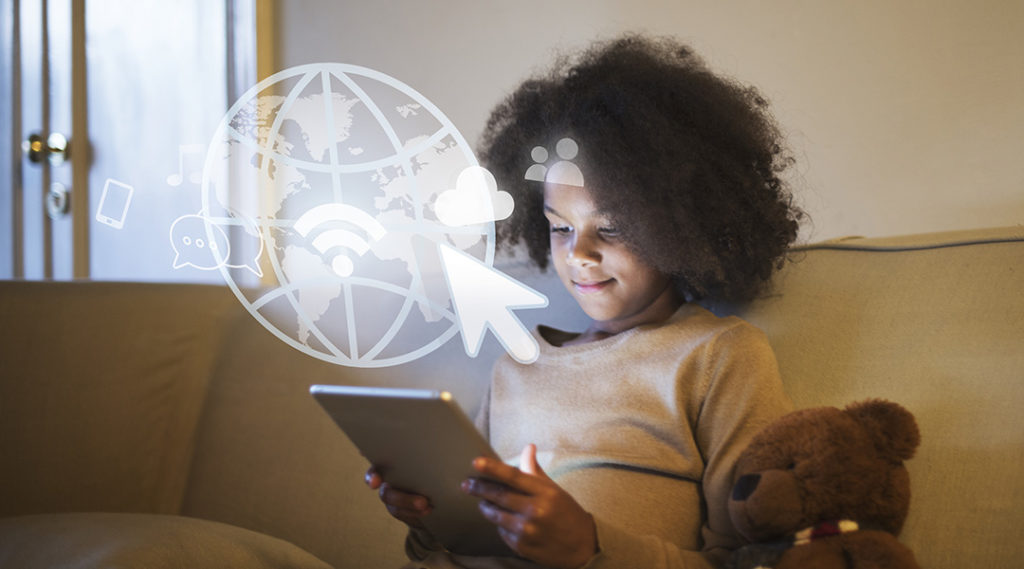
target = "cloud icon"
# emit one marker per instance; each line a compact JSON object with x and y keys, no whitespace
{"x":475,"y":199}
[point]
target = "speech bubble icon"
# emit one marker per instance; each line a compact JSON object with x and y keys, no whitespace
{"x":193,"y":246}
{"x":247,"y":246}
{"x":475,"y":199}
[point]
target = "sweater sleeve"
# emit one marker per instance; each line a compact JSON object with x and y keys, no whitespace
{"x":742,"y":393}
{"x":621,"y":549}
{"x":482,"y":420}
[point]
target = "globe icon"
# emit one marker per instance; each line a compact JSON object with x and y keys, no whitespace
{"x":325,"y":178}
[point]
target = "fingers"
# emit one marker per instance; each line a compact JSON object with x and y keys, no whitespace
{"x":402,"y":500}
{"x":496,"y":493}
{"x":528,"y":461}
{"x":405,"y":506}
{"x":507,"y":486}
{"x":395,"y":498}
{"x":495,"y":470}
{"x":515,"y":529}
{"x":373,"y":480}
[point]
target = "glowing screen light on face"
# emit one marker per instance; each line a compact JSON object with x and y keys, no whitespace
{"x":373,"y":220}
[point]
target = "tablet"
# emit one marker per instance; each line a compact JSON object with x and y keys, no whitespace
{"x":420,"y":441}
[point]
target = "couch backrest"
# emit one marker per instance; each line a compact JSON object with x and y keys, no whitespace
{"x":268,"y":458}
{"x":935,"y":323}
{"x":101,"y":387}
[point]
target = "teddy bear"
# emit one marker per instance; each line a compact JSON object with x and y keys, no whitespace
{"x":826,"y":488}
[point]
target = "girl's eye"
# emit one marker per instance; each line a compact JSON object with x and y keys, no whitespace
{"x":560,"y":229}
{"x":609,"y":231}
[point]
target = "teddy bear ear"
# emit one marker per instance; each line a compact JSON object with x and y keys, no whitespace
{"x":893,"y":428}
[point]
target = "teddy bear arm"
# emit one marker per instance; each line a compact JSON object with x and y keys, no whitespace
{"x":865,"y":549}
{"x":878,"y":549}
{"x":825,"y":553}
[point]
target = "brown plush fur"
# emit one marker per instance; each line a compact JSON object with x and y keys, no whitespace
{"x":823,"y":464}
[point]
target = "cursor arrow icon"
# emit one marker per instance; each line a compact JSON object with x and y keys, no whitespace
{"x":484,"y":298}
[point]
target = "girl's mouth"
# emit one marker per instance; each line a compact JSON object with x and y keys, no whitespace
{"x":591,"y":287}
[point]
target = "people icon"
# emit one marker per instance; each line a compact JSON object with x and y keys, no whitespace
{"x":537,"y":172}
{"x":562,"y":172}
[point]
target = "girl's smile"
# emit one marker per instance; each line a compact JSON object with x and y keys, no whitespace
{"x":591,"y":287}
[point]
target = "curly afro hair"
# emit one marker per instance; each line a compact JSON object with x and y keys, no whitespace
{"x":685,"y":163}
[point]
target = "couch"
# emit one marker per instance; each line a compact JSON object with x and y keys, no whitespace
{"x":160,"y":425}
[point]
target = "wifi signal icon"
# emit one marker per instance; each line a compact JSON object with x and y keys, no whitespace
{"x":330,"y":214}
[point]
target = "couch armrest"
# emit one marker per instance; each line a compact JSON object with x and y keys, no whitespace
{"x":101,"y":390}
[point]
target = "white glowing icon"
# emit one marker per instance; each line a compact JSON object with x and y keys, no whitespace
{"x":484,"y":298}
{"x":475,"y":199}
{"x":196,"y":247}
{"x":562,"y":172}
{"x":401,"y":258}
{"x":331,"y":238}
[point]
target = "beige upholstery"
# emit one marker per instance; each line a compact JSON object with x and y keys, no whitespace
{"x":268,"y":458}
{"x":102,"y":387}
{"x":171,"y":399}
{"x":935,"y":323}
{"x":141,"y":541}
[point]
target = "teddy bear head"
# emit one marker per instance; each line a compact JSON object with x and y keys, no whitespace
{"x":826,"y":464}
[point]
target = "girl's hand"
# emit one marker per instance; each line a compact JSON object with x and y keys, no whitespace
{"x":535,"y":517}
{"x":403,"y":506}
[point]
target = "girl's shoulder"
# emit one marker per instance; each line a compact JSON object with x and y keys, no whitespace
{"x":696,"y":321}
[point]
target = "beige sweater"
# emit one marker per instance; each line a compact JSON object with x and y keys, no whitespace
{"x":642,"y":429}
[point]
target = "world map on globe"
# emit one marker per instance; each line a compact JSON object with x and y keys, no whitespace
{"x":329,"y":176}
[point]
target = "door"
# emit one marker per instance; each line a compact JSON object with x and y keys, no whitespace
{"x":135,"y":88}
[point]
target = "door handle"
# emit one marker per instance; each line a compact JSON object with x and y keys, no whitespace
{"x":55,"y":148}
{"x":58,"y":201}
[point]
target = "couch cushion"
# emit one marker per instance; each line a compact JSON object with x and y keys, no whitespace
{"x":935,"y":323}
{"x":141,"y":540}
{"x":102,"y":385}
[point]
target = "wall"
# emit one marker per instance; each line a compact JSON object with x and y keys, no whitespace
{"x":905,"y":116}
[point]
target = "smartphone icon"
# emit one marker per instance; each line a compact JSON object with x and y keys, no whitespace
{"x":114,"y":203}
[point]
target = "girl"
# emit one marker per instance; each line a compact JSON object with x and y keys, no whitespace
{"x":668,"y":192}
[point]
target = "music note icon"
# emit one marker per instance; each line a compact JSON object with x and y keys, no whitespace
{"x":196,"y":175}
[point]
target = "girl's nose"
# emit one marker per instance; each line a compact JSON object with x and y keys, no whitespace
{"x":582,"y":253}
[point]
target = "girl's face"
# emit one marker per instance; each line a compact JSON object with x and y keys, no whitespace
{"x":611,"y":284}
